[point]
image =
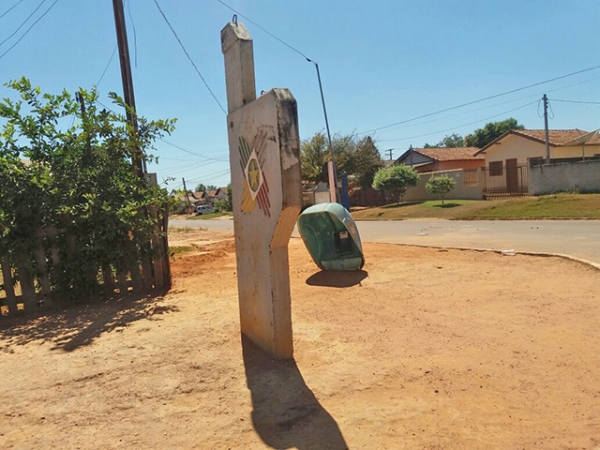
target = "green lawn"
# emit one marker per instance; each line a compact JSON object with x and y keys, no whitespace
{"x":559,"y":206}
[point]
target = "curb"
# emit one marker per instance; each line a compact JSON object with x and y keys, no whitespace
{"x":585,"y":262}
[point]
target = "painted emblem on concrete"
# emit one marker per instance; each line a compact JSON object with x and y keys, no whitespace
{"x":256,"y":189}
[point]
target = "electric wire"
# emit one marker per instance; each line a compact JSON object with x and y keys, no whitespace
{"x":134,"y":34}
{"x":574,"y":101}
{"x":512,"y":91}
{"x":11,"y":8}
{"x":191,"y":152}
{"x":24,"y":22}
{"x":266,"y":31}
{"x":189,"y":57}
{"x":107,"y":65}
{"x":459,"y":126}
{"x":29,"y":29}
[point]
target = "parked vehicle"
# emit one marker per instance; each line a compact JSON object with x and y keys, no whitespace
{"x":204,"y":209}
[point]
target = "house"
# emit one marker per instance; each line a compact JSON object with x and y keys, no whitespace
{"x":313,"y":194}
{"x":437,"y":159}
{"x":508,"y":157}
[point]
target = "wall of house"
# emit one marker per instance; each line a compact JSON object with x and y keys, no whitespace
{"x":583,"y":176}
{"x":467,"y":164}
{"x":523,"y":149}
{"x":461,"y":191}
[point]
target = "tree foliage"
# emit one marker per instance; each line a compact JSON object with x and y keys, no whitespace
{"x":483,"y":136}
{"x":480,"y":137}
{"x":75,"y":178}
{"x":357,"y":157}
{"x":200,"y":187}
{"x":396,"y":177}
{"x":450,"y":141}
{"x":440,"y":185}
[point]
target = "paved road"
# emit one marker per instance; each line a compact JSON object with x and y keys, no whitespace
{"x":578,"y":238}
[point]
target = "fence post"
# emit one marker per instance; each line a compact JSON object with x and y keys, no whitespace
{"x":26,"y":282}
{"x":8,"y":287}
{"x":157,"y":260}
{"x":107,"y":276}
{"x":165,"y":246}
{"x":42,"y":265}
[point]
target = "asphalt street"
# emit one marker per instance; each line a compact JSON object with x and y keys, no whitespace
{"x":578,"y":238}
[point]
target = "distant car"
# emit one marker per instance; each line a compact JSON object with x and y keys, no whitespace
{"x":204,"y":209}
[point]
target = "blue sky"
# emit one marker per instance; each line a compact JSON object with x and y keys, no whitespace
{"x":382,"y":62}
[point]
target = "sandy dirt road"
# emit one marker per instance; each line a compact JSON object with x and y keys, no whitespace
{"x":424,"y":349}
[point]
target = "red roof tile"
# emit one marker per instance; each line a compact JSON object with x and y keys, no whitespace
{"x":449,"y":154}
{"x":557,"y":137}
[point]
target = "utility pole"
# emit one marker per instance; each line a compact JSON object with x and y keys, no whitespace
{"x":410,"y":149}
{"x":545,"y":98}
{"x":129,"y":97}
{"x":390,"y":151}
{"x":187,"y":200}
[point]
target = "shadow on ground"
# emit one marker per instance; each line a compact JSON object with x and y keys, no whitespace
{"x":286,"y":414}
{"x":400,"y":205}
{"x":446,"y":205}
{"x":337,"y":278}
{"x":77,"y":326}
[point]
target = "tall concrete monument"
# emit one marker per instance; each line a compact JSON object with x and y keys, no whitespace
{"x":264,"y":152}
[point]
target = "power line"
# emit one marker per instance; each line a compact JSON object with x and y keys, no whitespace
{"x":266,"y":31}
{"x":189,"y":57}
{"x":134,"y":34}
{"x":460,"y":126}
{"x":10,"y":9}
{"x":24,"y":22}
{"x":29,"y":29}
{"x":574,"y":101}
{"x":480,"y":100}
{"x":174,"y":145}
{"x":191,"y":152}
{"x":107,"y":65}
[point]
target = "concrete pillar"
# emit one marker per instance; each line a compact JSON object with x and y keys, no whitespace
{"x":264,"y":150}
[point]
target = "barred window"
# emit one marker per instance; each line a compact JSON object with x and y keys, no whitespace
{"x":495,"y":168}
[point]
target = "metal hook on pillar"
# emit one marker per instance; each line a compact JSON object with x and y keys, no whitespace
{"x":234,"y":19}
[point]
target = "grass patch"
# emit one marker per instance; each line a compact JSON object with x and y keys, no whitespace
{"x":210,"y":216}
{"x":558,"y":206}
{"x":432,"y":209}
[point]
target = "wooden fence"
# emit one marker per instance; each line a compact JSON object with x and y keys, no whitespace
{"x":28,"y":283}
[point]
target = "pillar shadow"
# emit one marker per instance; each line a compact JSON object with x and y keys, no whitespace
{"x":337,"y":278}
{"x":286,"y":414}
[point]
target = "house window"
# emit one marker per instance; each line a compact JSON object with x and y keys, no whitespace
{"x":495,"y":168}
{"x":536,"y":161}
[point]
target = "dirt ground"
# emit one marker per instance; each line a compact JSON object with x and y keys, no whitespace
{"x":424,"y":349}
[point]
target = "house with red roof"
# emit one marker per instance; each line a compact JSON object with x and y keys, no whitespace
{"x":438,"y":159}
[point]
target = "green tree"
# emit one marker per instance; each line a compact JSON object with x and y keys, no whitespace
{"x":450,"y":141}
{"x":367,"y":162}
{"x":200,"y":187}
{"x":440,"y":185}
{"x":313,"y":155}
{"x":396,"y":177}
{"x":483,"y":136}
{"x":359,"y":158}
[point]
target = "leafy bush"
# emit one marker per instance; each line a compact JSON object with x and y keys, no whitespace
{"x":77,"y":179}
{"x":222,"y":205}
{"x":440,"y":185}
{"x":399,"y":177}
